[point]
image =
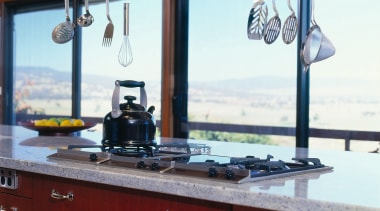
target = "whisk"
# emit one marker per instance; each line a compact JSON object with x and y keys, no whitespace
{"x":125,"y":53}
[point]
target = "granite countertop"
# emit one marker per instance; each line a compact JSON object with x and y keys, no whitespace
{"x":353,"y":184}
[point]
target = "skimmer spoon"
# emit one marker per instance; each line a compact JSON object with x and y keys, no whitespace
{"x":64,"y":32}
{"x":289,"y":31}
{"x":273,"y":28}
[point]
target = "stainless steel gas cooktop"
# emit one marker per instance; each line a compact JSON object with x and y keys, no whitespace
{"x":193,"y":160}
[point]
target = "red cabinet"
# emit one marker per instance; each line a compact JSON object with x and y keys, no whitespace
{"x":18,"y":199}
{"x":34,"y":192}
{"x":92,"y":196}
{"x":10,"y":202}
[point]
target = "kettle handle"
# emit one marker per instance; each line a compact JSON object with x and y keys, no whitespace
{"x":116,"y":112}
{"x":131,"y":84}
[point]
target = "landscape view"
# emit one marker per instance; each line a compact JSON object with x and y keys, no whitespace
{"x":227,"y":101}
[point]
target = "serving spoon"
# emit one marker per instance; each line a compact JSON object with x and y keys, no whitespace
{"x":64,"y":31}
{"x":85,"y":19}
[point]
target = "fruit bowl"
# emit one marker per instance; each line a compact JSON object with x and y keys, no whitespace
{"x":56,"y":130}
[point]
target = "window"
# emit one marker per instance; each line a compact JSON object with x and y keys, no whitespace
{"x":232,"y":79}
{"x":100,"y":66}
{"x":43,"y":69}
{"x":344,"y":89}
{"x":235,"y":80}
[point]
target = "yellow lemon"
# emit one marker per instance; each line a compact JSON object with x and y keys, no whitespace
{"x":78,"y":122}
{"x":40,"y":122}
{"x":51,"y":123}
{"x":61,"y":120}
{"x":54,"y":119}
{"x":66,"y":123}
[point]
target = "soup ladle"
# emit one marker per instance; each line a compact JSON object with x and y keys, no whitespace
{"x":86,"y":19}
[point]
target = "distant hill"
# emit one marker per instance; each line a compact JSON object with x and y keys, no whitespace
{"x":59,"y":84}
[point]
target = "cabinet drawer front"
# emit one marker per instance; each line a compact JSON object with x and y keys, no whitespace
{"x":11,"y":202}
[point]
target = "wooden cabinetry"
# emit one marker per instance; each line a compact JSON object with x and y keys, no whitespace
{"x":21,"y":198}
{"x":92,"y":196}
{"x":34,"y":193}
{"x":10,"y":202}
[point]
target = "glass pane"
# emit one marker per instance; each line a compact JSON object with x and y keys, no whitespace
{"x":344,"y":90}
{"x":42,"y":68}
{"x":235,"y":80}
{"x":100,"y":66}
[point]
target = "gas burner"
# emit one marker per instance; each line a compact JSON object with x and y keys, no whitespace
{"x":139,"y":152}
{"x":130,"y":143}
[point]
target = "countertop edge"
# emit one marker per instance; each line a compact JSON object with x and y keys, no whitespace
{"x":212,"y":191}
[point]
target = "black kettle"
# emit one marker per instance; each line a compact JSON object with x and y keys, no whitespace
{"x":129,"y":124}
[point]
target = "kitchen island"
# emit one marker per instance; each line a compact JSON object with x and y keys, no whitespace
{"x":353,"y":184}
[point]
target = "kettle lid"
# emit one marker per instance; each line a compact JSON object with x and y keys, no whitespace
{"x":130,"y":105}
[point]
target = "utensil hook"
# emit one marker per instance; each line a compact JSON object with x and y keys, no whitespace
{"x":108,"y":11}
{"x":86,"y":5}
{"x":274,"y":7}
{"x":257,"y":2}
{"x":126,"y":19}
{"x":312,"y":13}
{"x":67,"y":10}
{"x":290,"y":7}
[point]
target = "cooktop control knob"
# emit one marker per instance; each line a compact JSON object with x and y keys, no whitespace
{"x":212,"y":172}
{"x":155,"y":166}
{"x":230,"y":174}
{"x":140,"y":165}
{"x":93,"y":157}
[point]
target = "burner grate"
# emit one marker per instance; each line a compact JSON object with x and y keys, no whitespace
{"x":140,"y":152}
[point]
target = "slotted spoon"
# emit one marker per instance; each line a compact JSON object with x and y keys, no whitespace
{"x":257,"y":20}
{"x":108,"y":33}
{"x":125,"y":53}
{"x":289,"y":31}
{"x":64,"y":31}
{"x":273,"y":28}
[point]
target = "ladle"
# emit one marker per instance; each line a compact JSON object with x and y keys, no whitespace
{"x":85,"y":19}
{"x":64,"y":32}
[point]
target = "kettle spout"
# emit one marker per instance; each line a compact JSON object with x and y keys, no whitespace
{"x":151,"y":109}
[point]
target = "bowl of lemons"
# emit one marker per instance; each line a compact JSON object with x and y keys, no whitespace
{"x":57,"y":126}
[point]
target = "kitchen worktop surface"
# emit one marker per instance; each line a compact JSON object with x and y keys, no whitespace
{"x":353,"y":184}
